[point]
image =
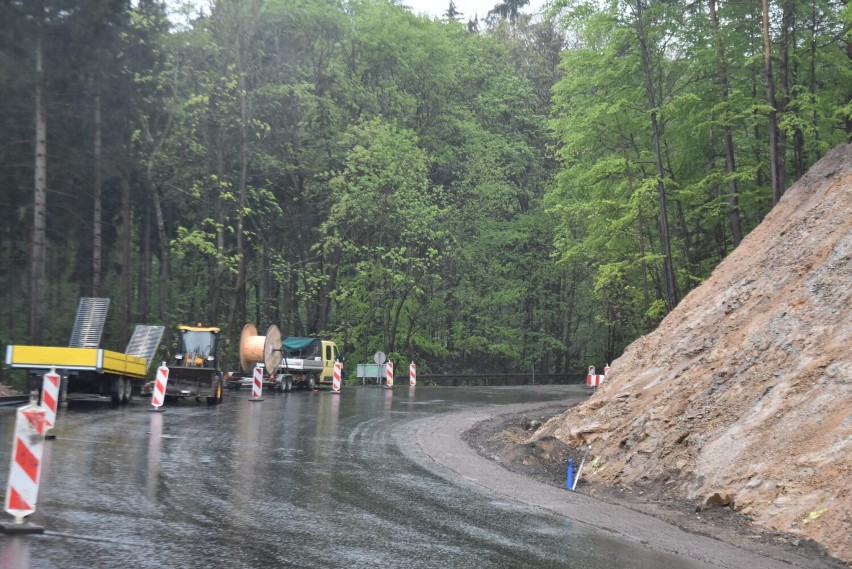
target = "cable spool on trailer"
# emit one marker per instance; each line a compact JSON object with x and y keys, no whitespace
{"x":255,"y":349}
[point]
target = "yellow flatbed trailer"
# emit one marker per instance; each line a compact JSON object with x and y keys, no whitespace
{"x":92,"y":370}
{"x":88,"y":359}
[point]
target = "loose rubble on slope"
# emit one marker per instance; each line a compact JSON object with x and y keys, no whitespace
{"x":742,"y":398}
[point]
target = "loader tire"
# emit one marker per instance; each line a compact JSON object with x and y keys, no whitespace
{"x":216,"y":398}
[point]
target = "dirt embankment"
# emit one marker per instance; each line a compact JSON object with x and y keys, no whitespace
{"x":742,"y":398}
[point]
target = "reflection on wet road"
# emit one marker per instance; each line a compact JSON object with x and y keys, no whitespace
{"x":297,"y":480}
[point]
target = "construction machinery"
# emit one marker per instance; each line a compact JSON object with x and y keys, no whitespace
{"x":297,"y":362}
{"x":195,"y":371}
{"x":83,"y":365}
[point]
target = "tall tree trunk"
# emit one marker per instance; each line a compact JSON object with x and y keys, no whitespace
{"x":324,"y":298}
{"x":784,"y":72}
{"x":730,"y":162}
{"x":238,"y":302}
{"x":38,"y":277}
{"x":656,"y":133}
{"x":126,"y":270}
{"x":154,"y":146}
{"x":145,"y":265}
{"x":777,"y":190}
{"x":163,"y":238}
{"x":97,"y":262}
{"x":219,"y":211}
{"x":849,"y":97}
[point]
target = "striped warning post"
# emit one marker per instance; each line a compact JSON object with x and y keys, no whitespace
{"x":159,"y":394}
{"x":257,"y":384}
{"x":25,"y":469}
{"x":412,"y":374}
{"x":593,"y":379}
{"x":335,"y":381}
{"x":50,"y":398}
{"x":606,"y":370}
{"x":389,"y":375}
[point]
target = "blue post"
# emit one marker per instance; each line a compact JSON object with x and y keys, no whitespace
{"x":570,"y":476}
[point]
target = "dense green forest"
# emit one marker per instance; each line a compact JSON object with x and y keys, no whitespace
{"x":510,"y":193}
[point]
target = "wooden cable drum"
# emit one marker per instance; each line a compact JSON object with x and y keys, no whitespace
{"x":256,"y":349}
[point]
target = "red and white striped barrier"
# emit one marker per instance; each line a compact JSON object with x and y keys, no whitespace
{"x":159,"y":394}
{"x":25,"y":470}
{"x":606,"y":370}
{"x":412,"y":374}
{"x":389,"y":374}
{"x":335,"y":380}
{"x":592,"y":379}
{"x":50,"y":398}
{"x":257,"y":384}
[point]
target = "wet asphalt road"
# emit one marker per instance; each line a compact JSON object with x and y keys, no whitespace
{"x":305,"y":479}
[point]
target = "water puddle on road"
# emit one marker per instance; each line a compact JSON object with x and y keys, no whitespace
{"x":302,"y":479}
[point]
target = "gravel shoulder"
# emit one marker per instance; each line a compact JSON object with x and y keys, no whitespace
{"x":486,"y":449}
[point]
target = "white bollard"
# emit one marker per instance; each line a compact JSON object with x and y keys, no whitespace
{"x":389,"y":375}
{"x":335,"y":381}
{"x":159,"y":394}
{"x":412,"y":374}
{"x":25,"y":468}
{"x":50,"y":398}
{"x":580,"y":469}
{"x":257,"y":384}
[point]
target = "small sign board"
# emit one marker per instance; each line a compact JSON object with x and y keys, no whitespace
{"x":379,"y":357}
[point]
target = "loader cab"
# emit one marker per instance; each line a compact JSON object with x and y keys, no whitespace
{"x":198,"y":347}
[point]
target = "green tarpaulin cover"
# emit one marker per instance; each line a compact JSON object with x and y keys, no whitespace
{"x":297,"y":343}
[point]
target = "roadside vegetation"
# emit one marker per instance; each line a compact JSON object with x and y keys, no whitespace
{"x":506,"y":193}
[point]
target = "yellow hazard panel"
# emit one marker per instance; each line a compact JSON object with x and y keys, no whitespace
{"x":121,"y":364}
{"x":43,"y":356}
{"x":102,"y":361}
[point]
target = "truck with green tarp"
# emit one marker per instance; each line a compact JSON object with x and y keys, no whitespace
{"x":306,"y":362}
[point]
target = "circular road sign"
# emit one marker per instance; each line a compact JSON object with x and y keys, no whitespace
{"x":379,"y":357}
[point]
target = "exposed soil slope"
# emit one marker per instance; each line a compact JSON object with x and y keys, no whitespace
{"x":743,"y":395}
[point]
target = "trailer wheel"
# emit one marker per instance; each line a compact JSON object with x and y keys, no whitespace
{"x":116,"y":391}
{"x":311,"y":383}
{"x":127,"y":396}
{"x":288,"y":383}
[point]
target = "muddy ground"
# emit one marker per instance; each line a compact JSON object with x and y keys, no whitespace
{"x":504,"y":440}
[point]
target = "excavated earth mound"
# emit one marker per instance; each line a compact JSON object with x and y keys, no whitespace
{"x":742,"y":397}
